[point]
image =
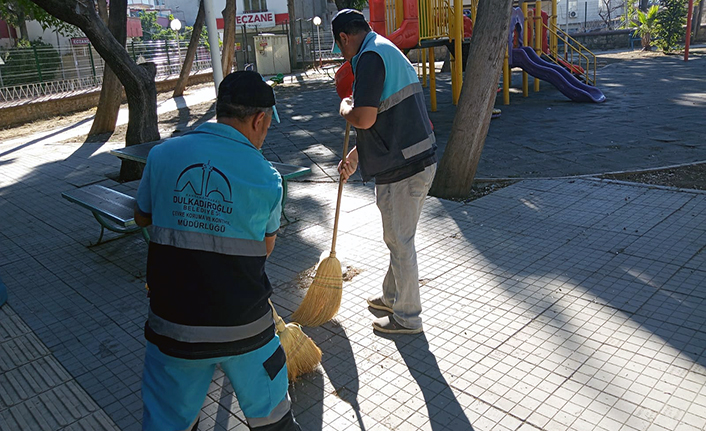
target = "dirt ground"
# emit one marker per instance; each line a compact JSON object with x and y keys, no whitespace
{"x":690,"y":177}
{"x":685,"y":177}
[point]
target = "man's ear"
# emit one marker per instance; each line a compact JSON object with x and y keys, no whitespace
{"x":258,"y":120}
{"x":343,"y":39}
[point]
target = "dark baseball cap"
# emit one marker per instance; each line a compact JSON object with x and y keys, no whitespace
{"x":343,"y":17}
{"x":247,"y":88}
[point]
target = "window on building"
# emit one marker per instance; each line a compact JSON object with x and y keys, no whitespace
{"x":255,"y":6}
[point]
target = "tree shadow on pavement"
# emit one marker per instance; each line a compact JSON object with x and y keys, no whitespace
{"x":181,"y":122}
{"x":46,"y":137}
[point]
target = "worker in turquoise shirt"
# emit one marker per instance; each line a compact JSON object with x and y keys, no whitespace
{"x":395,"y":146}
{"x":214,"y":203}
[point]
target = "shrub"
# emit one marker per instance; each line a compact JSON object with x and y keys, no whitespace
{"x":22,"y":66}
{"x":671,"y":20}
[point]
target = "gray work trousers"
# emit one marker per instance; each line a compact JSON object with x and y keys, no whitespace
{"x":400,"y":205}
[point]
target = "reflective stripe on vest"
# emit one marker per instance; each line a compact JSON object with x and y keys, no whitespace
{"x":206,"y":242}
{"x":208,"y":334}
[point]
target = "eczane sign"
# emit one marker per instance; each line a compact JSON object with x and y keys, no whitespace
{"x":259,"y":19}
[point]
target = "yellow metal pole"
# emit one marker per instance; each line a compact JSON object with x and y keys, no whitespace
{"x":453,"y":80}
{"x":424,"y":66}
{"x":525,"y":36}
{"x":432,"y":80}
{"x":537,"y":35}
{"x":458,"y":35}
{"x":452,"y":56}
{"x":506,"y":78}
{"x":554,"y":44}
{"x":399,"y":13}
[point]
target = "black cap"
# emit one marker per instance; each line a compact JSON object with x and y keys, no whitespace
{"x":246,"y":88}
{"x":343,"y":17}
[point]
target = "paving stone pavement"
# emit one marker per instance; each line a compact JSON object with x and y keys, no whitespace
{"x":552,"y":304}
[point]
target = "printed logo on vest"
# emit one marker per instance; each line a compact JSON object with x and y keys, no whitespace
{"x":202,"y":195}
{"x":204,"y":175}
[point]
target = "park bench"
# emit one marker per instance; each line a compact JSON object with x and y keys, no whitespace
{"x":113,"y":210}
{"x":138,"y":153}
{"x":635,"y":38}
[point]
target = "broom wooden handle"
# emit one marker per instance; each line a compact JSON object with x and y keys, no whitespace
{"x":279,"y":322}
{"x":340,"y":190}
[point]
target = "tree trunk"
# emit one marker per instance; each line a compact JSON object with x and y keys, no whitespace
{"x":103,"y":11}
{"x":446,"y":66}
{"x":644,"y":5}
{"x":647,"y":42}
{"x":24,"y":34}
{"x":292,"y":34}
{"x":190,"y":53}
{"x":142,"y":116}
{"x":472,"y":120}
{"x":228,"y":36}
{"x":696,"y":23}
{"x":111,"y":90}
{"x":137,"y":80}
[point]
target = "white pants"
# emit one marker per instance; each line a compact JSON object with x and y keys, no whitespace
{"x":400,"y":205}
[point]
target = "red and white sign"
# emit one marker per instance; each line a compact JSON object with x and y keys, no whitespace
{"x":80,"y":41}
{"x":280,"y":18}
{"x":260,"y":19}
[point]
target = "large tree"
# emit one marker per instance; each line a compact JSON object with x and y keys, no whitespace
{"x":18,"y":12}
{"x":137,"y":80}
{"x":696,"y":23}
{"x":228,"y":37}
{"x":190,"y":53}
{"x":470,"y":126}
{"x":292,"y":33}
{"x":111,"y":90}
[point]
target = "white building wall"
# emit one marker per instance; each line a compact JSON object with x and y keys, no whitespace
{"x":35,"y":31}
{"x":585,"y":11}
{"x":188,"y":9}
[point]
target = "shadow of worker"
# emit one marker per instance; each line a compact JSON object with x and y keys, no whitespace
{"x":443,"y":408}
{"x":340,"y":367}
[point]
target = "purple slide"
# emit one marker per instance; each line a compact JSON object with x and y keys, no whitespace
{"x":556,"y":75}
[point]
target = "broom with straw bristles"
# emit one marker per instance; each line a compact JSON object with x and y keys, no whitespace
{"x":323,"y":299}
{"x":303,"y":355}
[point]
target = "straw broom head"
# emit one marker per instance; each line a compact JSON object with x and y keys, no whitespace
{"x":323,"y":299}
{"x":303,"y":355}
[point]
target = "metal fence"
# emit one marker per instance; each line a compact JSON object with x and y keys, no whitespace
{"x":43,"y":70}
{"x":28,"y":73}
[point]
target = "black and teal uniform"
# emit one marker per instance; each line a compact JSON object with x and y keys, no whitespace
{"x":213,"y":198}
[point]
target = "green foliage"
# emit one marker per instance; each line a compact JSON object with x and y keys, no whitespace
{"x":24,"y":65}
{"x":670,"y":24}
{"x":646,"y":21}
{"x":351,"y":4}
{"x":186,"y":35}
{"x":646,"y":25}
{"x":17,"y":11}
{"x":151,"y":30}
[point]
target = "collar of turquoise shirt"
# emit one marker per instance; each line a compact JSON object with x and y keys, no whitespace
{"x":370,"y":36}
{"x":224,"y":131}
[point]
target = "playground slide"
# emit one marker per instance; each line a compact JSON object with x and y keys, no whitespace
{"x":559,"y":77}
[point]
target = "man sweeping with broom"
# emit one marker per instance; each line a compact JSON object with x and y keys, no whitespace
{"x":395,"y":145}
{"x":214,"y":203}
